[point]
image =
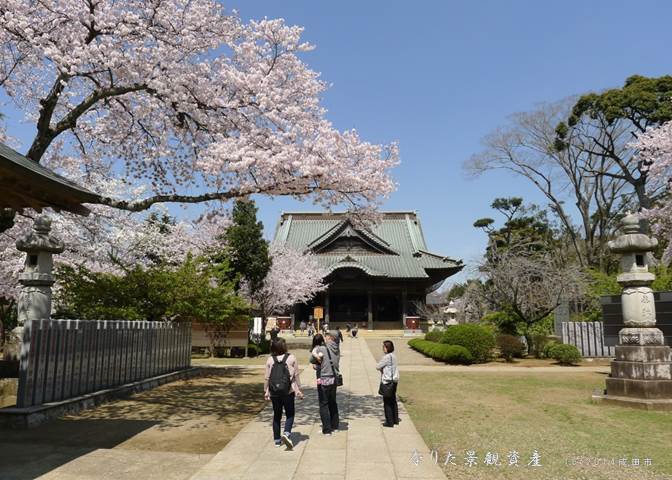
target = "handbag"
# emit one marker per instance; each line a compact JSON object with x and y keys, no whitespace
{"x":386,"y":390}
{"x":339,"y":377}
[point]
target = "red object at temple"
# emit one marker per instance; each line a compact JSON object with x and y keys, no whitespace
{"x":284,"y":322}
{"x":413,"y":323}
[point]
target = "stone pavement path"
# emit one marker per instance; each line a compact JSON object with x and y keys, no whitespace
{"x":361,"y":449}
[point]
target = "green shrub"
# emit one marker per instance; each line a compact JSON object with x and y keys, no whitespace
{"x":478,"y":340}
{"x":264,"y":346}
{"x":565,"y":354}
{"x":510,"y":346}
{"x":252,"y":349}
{"x":539,"y":342}
{"x":548,"y":347}
{"x":505,"y":322}
{"x":441,"y":351}
{"x":434,"y":335}
{"x":452,"y":354}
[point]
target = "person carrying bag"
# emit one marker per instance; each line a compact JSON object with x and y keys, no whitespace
{"x":281,"y":386}
{"x":328,"y":358}
{"x":389,"y":379}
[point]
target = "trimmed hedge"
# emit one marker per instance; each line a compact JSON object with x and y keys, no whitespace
{"x":478,"y":340}
{"x":510,"y":346}
{"x":565,"y":354}
{"x":434,"y":336}
{"x":455,"y":354}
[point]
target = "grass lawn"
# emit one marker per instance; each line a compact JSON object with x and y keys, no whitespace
{"x":550,"y":413}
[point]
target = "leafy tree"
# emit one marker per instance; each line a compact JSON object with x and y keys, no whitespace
{"x":456,"y":291}
{"x":616,"y":117}
{"x":245,"y":248}
{"x":587,"y":206}
{"x":192,"y":291}
{"x":525,"y":228}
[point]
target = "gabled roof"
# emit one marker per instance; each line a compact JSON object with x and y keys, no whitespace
{"x":27,"y":184}
{"x":398,"y":244}
{"x":345,"y":228}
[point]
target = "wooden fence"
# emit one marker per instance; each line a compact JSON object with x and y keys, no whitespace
{"x":588,"y":337}
{"x":62,"y":359}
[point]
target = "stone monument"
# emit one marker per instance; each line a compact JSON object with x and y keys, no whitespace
{"x":34,"y":301}
{"x":641,"y":373}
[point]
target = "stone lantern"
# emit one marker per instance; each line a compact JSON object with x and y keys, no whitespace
{"x":451,"y":312}
{"x":34,"y":301}
{"x":641,"y":373}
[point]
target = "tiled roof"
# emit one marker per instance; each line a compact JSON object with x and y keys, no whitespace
{"x":28,"y":184}
{"x":401,"y":231}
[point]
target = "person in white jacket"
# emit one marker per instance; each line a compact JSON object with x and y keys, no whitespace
{"x":389,"y":379}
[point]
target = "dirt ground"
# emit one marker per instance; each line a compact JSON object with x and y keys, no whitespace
{"x":171,"y":430}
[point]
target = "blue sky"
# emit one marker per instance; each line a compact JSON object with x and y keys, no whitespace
{"x":437,"y":76}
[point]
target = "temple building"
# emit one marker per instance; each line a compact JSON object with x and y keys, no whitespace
{"x":376,"y":277}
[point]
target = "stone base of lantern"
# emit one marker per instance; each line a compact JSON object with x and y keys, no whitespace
{"x":664,"y":405}
{"x":641,"y":374}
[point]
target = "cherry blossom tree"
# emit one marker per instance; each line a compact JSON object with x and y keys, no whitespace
{"x":183,"y":97}
{"x":294,"y":277}
{"x":655,"y":156}
{"x":108,"y":240}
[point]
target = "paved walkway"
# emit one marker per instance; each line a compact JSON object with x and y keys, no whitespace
{"x":361,"y":449}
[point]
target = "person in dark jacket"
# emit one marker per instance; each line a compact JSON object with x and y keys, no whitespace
{"x":328,"y":358}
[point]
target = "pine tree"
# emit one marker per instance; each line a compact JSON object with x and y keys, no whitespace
{"x":246,"y":249}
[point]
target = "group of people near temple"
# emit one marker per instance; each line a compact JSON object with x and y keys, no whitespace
{"x":282,"y":385}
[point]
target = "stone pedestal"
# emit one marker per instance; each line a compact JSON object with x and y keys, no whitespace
{"x":641,"y":373}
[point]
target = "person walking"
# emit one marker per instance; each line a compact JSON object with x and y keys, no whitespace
{"x":302,"y":327}
{"x":354,"y":330}
{"x":281,"y":386}
{"x":274,"y":333}
{"x":327,"y":359}
{"x":389,"y":379}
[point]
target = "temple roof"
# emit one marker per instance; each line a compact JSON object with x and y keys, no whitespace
{"x":393,"y":248}
{"x":27,"y":184}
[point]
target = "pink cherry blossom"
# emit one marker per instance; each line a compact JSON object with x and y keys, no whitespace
{"x":655,"y":153}
{"x":294,"y":277}
{"x":185,"y":98}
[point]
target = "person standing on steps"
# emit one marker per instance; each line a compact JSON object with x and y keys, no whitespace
{"x":327,"y":358}
{"x":389,"y":379}
{"x":281,"y":386}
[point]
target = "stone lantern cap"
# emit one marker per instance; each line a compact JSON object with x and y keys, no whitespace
{"x":39,"y":240}
{"x":632,"y":239}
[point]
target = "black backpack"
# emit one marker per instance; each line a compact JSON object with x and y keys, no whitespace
{"x":279,"y":382}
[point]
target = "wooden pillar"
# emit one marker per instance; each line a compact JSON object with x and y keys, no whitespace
{"x":404,"y":306}
{"x":369,"y":309}
{"x":326,"y":306}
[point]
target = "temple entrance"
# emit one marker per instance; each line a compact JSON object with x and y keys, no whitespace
{"x":348,"y":308}
{"x":387,"y":308}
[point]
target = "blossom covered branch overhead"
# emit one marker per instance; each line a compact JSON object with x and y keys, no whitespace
{"x":185,"y":98}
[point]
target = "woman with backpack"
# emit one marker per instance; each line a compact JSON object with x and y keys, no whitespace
{"x":281,"y":386}
{"x":389,"y":379}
